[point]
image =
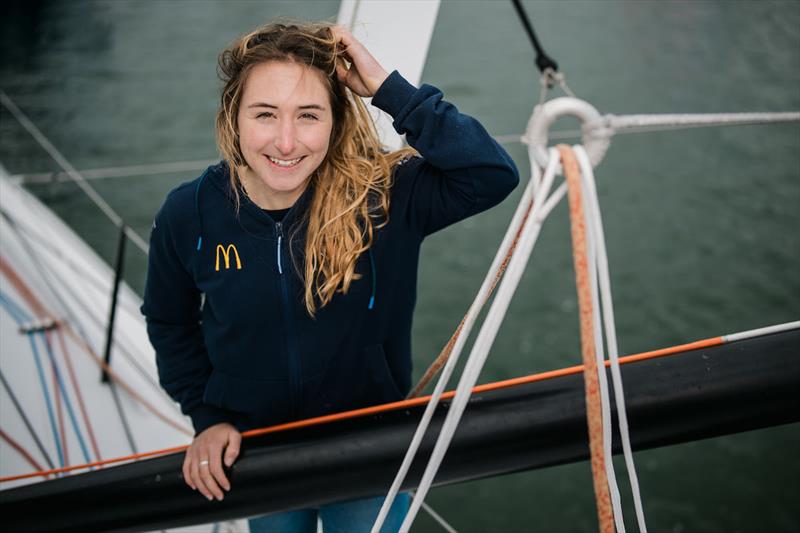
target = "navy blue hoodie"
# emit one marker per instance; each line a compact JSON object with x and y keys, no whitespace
{"x":248,"y":353}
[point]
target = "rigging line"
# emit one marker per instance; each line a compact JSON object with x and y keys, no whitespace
{"x":86,"y":274}
{"x":406,"y":404}
{"x":594,"y":416}
{"x":127,"y":171}
{"x":623,"y":122}
{"x":70,"y":314}
{"x":45,"y":392}
{"x":543,"y":61}
{"x":62,"y":387}
{"x":26,"y":421}
{"x":548,"y":206}
{"x":32,"y":300}
{"x":482,"y":345}
{"x":611,"y":337}
{"x":17,"y":282}
{"x":122,"y":418}
{"x":58,"y":382}
{"x":459,"y":337}
{"x":181,"y":428}
{"x":622,"y":125}
{"x":14,"y":444}
{"x":57,"y":392}
{"x":70,"y":170}
{"x":605,"y":402}
{"x":86,"y":420}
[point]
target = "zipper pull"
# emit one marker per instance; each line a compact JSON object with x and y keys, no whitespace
{"x":279,"y":230}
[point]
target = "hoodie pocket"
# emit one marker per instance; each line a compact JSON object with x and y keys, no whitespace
{"x":267,"y":402}
{"x":384,"y":386}
{"x":351,"y":381}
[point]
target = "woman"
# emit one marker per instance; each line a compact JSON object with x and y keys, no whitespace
{"x":305,"y":241}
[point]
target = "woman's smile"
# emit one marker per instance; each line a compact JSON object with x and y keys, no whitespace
{"x":284,"y":164}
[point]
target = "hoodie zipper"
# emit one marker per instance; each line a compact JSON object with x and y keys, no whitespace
{"x":295,"y":368}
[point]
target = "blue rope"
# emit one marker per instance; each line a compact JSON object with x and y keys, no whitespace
{"x":20,"y":317}
{"x":67,"y":402}
{"x":50,"y":413}
{"x":14,"y":310}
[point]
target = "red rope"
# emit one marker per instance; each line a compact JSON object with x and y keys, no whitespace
{"x":14,"y":444}
{"x":594,"y":416}
{"x":57,"y":393}
{"x":40,"y":310}
{"x":78,"y":394}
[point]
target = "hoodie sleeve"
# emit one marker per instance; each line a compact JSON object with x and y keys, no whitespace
{"x":463,"y":170}
{"x":172,"y":310}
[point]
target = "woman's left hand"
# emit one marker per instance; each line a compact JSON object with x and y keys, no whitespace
{"x":365,"y":74}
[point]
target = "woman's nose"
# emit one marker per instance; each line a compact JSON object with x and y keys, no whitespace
{"x":285,"y":140}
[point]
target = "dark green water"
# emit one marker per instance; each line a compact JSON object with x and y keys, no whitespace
{"x":702,"y":226}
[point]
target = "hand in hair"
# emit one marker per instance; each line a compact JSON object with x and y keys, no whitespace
{"x":364,"y":75}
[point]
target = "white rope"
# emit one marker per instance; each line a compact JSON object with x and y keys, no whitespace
{"x":472,"y":315}
{"x":691,"y":120}
{"x":761,"y":331}
{"x":116,"y":172}
{"x":70,"y":170}
{"x":441,"y":521}
{"x":605,"y":402}
{"x":598,"y":242}
{"x":667,"y":122}
{"x":484,"y":341}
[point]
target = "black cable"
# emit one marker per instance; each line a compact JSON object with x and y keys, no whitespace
{"x":112,"y":386}
{"x":543,"y":61}
{"x":27,"y":422}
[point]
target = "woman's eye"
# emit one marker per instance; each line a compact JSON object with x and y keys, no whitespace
{"x":309,"y":116}
{"x":265,"y":114}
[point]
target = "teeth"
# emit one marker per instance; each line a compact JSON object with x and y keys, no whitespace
{"x":284,"y":162}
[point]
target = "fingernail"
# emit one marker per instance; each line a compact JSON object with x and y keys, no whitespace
{"x":210,"y":498}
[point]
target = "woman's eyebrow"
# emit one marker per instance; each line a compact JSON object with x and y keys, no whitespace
{"x":271,"y":106}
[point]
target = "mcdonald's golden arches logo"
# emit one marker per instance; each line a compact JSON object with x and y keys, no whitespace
{"x":226,"y":255}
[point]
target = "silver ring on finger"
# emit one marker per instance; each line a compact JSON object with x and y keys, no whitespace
{"x":204,"y":462}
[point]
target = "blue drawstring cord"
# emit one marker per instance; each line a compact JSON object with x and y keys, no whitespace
{"x":197,"y":208}
{"x":374,"y":279}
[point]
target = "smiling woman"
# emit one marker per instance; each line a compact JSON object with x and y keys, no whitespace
{"x":285,"y":141}
{"x":305,"y":177}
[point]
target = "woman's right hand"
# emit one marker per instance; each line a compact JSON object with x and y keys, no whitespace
{"x":202,"y":467}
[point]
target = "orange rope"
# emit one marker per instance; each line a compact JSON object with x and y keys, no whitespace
{"x":41,"y":311}
{"x":394,"y":406}
{"x":73,"y":378}
{"x":594,"y":416}
{"x":444,"y":355}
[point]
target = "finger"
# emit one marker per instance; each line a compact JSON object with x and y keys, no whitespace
{"x":197,"y":477}
{"x":341,"y":73}
{"x":207,"y":476}
{"x":209,"y":481}
{"x":232,"y":450}
{"x":187,"y":473}
{"x":218,"y":473}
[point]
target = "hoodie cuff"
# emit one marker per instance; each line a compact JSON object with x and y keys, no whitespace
{"x":393,"y":94}
{"x":205,"y":416}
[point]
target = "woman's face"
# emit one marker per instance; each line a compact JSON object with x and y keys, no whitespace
{"x":285,"y":122}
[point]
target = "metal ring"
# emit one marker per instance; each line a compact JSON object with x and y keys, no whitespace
{"x":204,"y":462}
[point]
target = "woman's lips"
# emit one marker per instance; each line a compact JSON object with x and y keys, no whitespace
{"x":282,"y":165}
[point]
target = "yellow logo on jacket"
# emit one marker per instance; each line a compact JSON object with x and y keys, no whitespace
{"x":226,"y":255}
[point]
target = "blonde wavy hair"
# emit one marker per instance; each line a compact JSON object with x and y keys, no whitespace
{"x":351,"y":185}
